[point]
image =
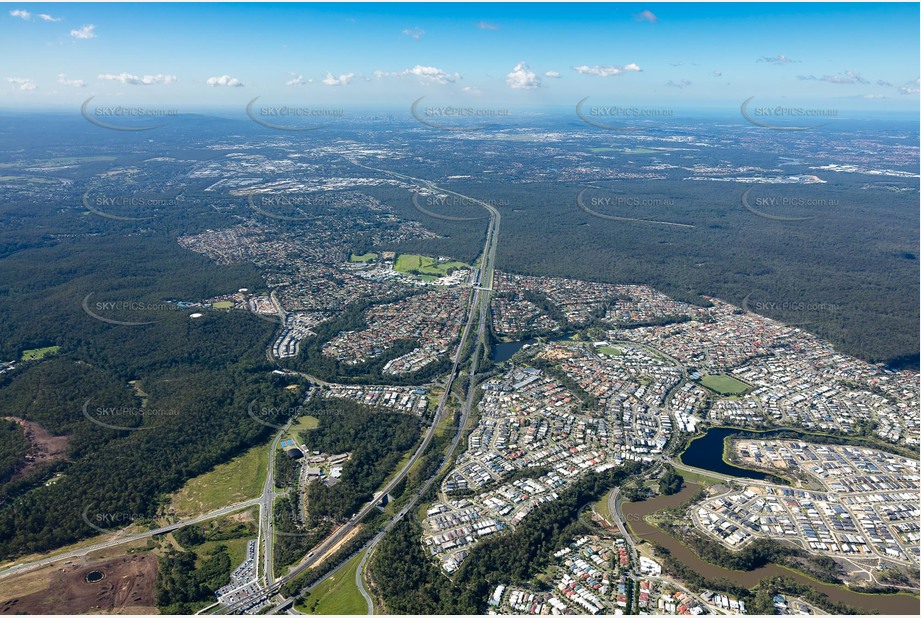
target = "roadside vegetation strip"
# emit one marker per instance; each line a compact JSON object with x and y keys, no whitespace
{"x":698,"y":478}
{"x":338,"y":593}
{"x":601,"y":507}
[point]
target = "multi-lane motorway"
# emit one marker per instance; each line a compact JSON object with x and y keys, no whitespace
{"x":477,"y":307}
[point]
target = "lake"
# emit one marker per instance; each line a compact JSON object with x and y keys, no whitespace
{"x":706,"y":452}
{"x":503,"y":351}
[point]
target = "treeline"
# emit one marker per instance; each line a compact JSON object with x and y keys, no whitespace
{"x":755,"y":555}
{"x":670,"y":482}
{"x":182,"y":587}
{"x":664,"y":320}
{"x":547,"y":306}
{"x":13,"y":448}
{"x":293,"y":540}
{"x":286,"y":472}
{"x":377,"y":441}
{"x":196,"y":534}
{"x":410,"y":582}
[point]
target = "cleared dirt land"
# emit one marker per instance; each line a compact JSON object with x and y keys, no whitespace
{"x":45,"y":448}
{"x":126,"y":587}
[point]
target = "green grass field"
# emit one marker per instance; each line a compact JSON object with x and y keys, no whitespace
{"x":40,"y":353}
{"x":304,"y":423}
{"x":237,"y":480}
{"x":223,"y":304}
{"x":724,"y":385}
{"x":338,"y":594}
{"x":364,"y":257}
{"x":427,"y":266}
{"x":610,"y":351}
{"x":601,"y":507}
{"x":700,"y":479}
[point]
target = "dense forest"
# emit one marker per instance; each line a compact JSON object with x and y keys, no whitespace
{"x":376,"y":440}
{"x":184,"y":583}
{"x":13,"y":449}
{"x":191,"y":382}
{"x":293,"y":539}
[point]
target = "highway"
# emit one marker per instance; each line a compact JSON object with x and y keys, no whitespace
{"x":77,"y":553}
{"x":478,"y":306}
{"x":266,"y":504}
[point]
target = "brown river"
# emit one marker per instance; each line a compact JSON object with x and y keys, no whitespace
{"x":636,"y":513}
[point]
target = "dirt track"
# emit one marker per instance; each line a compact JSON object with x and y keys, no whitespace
{"x":128,"y":587}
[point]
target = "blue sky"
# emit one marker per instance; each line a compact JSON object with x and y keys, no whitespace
{"x":184,"y":56}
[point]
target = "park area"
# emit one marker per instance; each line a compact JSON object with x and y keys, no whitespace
{"x":724,"y":385}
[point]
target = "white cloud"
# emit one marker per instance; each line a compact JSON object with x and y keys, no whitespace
{"x":867,"y":96}
{"x":76,"y":83}
{"x":682,"y":83}
{"x":848,"y":77}
{"x":21,"y":83}
{"x":646,"y":15}
{"x":522,"y":77}
{"x":135,"y":80}
{"x":778,"y":59}
{"x":485,"y":25}
{"x":225,"y":80}
{"x":84,"y":32}
{"x":414,"y":33}
{"x":298,"y":80}
{"x":911,"y":87}
{"x":426,"y":75}
{"x":471,"y":90}
{"x":342,"y":80}
{"x":26,"y":15}
{"x":553,"y":74}
{"x":606,"y":71}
